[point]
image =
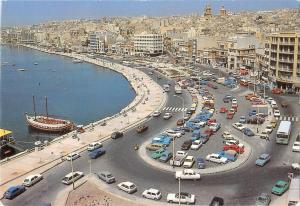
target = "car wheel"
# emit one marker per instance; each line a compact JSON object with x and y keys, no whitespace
{"x":170,"y":201}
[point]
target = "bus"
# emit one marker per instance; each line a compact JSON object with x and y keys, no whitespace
{"x":283,"y":132}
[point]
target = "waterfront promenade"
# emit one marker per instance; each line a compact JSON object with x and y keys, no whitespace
{"x":149,"y":97}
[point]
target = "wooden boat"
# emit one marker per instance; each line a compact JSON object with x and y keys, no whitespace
{"x":47,"y":123}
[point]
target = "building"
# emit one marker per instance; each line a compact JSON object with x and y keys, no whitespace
{"x":283,"y":59}
{"x":223,"y":12}
{"x":148,"y":44}
{"x":96,"y":45}
{"x":207,"y":12}
{"x":241,"y":51}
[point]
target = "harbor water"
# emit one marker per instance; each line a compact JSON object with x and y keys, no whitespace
{"x":80,"y":92}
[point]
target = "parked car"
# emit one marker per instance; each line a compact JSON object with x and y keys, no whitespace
{"x":167,"y":116}
{"x":188,"y":162}
{"x":216,"y":158}
{"x":269,"y":128}
{"x":296,"y":146}
{"x":227,"y":136}
{"x":200,"y":163}
{"x":243,"y":120}
{"x":162,"y":139}
{"x":116,"y":135}
{"x":152,"y":194}
{"x":284,"y":104}
{"x":185,"y":198}
{"x":165,"y":156}
{"x":238,"y":126}
{"x":263,"y":199}
{"x":196,"y":144}
{"x":94,"y":145}
{"x":233,"y":142}
{"x":106,"y":177}
{"x":173,"y":133}
{"x":14,"y":191}
{"x":186,"y":145}
{"x":215,"y":127}
{"x":96,"y":153}
{"x":274,"y":123}
{"x":187,"y":174}
{"x":32,"y":179}
{"x":128,"y":187}
{"x":72,"y":156}
{"x":155,"y":146}
{"x":72,"y":177}
{"x":141,"y":129}
{"x":280,"y":187}
{"x":180,"y":122}
{"x":209,"y":132}
{"x":217,"y":201}
{"x":156,"y":114}
{"x":229,"y":115}
{"x":223,"y":110}
{"x":231,"y":155}
{"x":158,"y":153}
{"x":264,"y":135}
{"x":276,"y":113}
{"x":186,"y":117}
{"x":235,"y":148}
{"x":204,"y":138}
{"x":248,"y":132}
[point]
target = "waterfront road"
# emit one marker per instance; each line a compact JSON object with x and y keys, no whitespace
{"x":237,"y":187}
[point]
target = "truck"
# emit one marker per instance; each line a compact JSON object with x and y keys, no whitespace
{"x":179,"y":158}
{"x":294,"y":192}
{"x":178,"y":89}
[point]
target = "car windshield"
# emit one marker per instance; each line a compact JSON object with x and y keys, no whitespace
{"x":297,"y":143}
{"x":261,"y":199}
{"x":109,"y":175}
{"x":279,"y":186}
{"x":26,"y":180}
{"x":263,"y":158}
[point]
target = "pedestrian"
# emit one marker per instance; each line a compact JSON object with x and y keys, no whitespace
{"x":257,"y":129}
{"x":268,"y":138}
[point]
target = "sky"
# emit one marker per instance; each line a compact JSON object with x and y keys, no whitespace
{"x":28,"y":12}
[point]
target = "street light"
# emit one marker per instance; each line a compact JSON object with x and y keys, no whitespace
{"x":179,"y":192}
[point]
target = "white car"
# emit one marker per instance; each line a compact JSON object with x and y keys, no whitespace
{"x":238,"y":126}
{"x":185,"y":198}
{"x":32,"y":179}
{"x":152,"y":194}
{"x":216,"y":158}
{"x":196,"y":144}
{"x":72,"y":156}
{"x":187,"y":174}
{"x":72,"y":177}
{"x":264,"y":135}
{"x":173,"y":133}
{"x":94,"y":145}
{"x":200,"y":124}
{"x":269,"y":129}
{"x":156,"y":114}
{"x":227,"y":136}
{"x":274,"y":104}
{"x":211,"y":111}
{"x":167,"y":115}
{"x":233,"y":141}
{"x":234,"y":101}
{"x":296,"y":166}
{"x":128,"y":187}
{"x":296,"y":146}
{"x":276,"y":113}
{"x":188,"y":162}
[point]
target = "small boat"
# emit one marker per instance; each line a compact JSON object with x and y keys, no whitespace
{"x":46,"y":123}
{"x":22,"y":70}
{"x":13,"y":65}
{"x":77,"y":60}
{"x":35,"y":63}
{"x":7,"y":144}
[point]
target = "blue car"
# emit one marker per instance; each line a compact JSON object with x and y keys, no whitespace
{"x":204,"y":138}
{"x":263,"y":159}
{"x":166,"y":156}
{"x":243,"y":119}
{"x":230,"y":155}
{"x":192,"y":125}
{"x":96,"y":153}
{"x":203,"y":82}
{"x":252,"y":113}
{"x":14,"y":191}
{"x":162,"y":140}
{"x":179,"y":129}
{"x":196,"y":133}
{"x":200,"y":163}
{"x":248,"y":132}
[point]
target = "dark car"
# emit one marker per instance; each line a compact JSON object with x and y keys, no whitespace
{"x":116,"y":135}
{"x":141,"y":129}
{"x":248,"y":131}
{"x":204,"y":138}
{"x":200,"y":163}
{"x":14,"y":191}
{"x":96,"y":153}
{"x":186,"y":129}
{"x":186,"y":145}
{"x":217,"y":201}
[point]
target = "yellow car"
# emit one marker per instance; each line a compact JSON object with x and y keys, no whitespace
{"x":273,"y":123}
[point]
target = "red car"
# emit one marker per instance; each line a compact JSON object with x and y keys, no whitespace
{"x":209,"y":132}
{"x":230,"y":115}
{"x":209,"y":122}
{"x":234,"y":147}
{"x":276,"y":90}
{"x":223,"y":110}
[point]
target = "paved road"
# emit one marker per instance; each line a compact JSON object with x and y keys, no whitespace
{"x":238,"y":187}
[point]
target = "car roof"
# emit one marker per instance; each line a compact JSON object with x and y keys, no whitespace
{"x":31,"y":176}
{"x":127,"y":183}
{"x":264,"y":155}
{"x":281,"y":182}
{"x":153,"y":190}
{"x":12,"y":188}
{"x":105,"y":173}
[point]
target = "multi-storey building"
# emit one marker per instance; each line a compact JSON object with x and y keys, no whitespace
{"x":283,"y":59}
{"x":96,"y":45}
{"x":148,"y":44}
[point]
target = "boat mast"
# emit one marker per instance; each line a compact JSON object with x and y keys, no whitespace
{"x":34,"y":107}
{"x":46,"y":106}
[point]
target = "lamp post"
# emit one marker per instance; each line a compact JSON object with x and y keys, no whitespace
{"x":72,"y":169}
{"x":179,"y":191}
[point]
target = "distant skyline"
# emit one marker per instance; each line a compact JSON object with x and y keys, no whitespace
{"x":27,"y":12}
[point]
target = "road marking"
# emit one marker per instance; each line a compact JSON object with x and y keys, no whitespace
{"x":185,"y":109}
{"x":173,"y":109}
{"x":164,"y":108}
{"x":288,"y":118}
{"x":177,"y":109}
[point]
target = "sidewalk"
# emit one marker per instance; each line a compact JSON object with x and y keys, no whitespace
{"x":14,"y":171}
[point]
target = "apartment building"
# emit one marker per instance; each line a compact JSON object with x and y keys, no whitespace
{"x":283,"y":59}
{"x":148,"y":44}
{"x":96,"y":45}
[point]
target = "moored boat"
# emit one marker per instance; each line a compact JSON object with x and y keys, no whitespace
{"x":77,"y":60}
{"x":7,"y":144}
{"x":46,"y":123}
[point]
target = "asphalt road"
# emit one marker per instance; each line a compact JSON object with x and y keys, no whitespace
{"x":237,"y":187}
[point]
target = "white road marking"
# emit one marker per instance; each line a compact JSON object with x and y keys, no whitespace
{"x":296,"y":119}
{"x":288,"y":118}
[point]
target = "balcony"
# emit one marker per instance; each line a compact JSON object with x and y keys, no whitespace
{"x":286,"y":60}
{"x":286,"y":51}
{"x":285,"y":69}
{"x":287,"y":43}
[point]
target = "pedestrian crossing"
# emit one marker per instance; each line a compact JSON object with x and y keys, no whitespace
{"x":174,"y":109}
{"x":288,"y":118}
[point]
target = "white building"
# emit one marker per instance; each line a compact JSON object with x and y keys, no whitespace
{"x":148,"y":44}
{"x":96,"y":45}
